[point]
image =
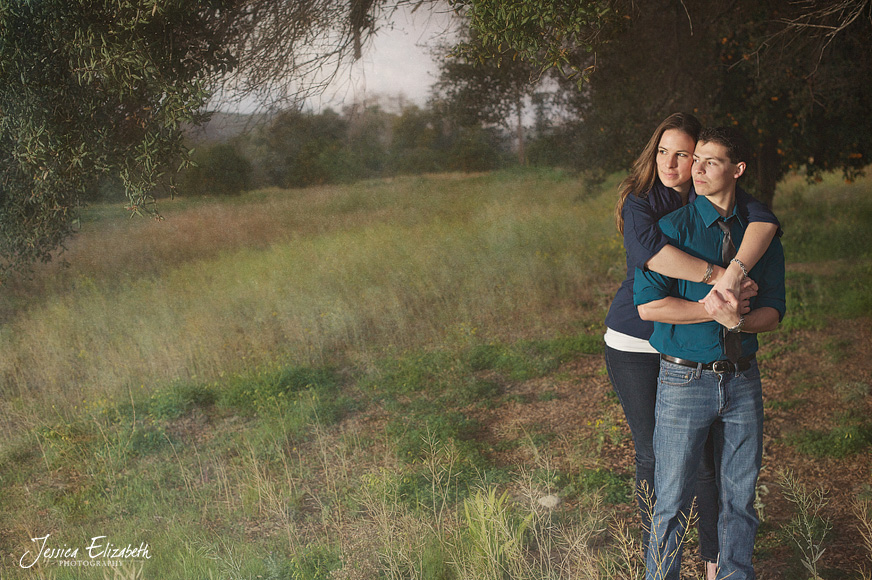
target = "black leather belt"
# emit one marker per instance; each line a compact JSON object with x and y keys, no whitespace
{"x":719,"y":366}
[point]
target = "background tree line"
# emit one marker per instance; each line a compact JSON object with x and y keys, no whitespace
{"x":299,"y":149}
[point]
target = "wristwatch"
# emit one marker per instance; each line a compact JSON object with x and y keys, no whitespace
{"x":738,"y":327}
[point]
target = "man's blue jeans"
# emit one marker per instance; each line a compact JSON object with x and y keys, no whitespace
{"x":690,"y":402}
{"x":634,"y":377}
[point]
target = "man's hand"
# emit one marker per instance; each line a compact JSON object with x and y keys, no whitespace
{"x":747,"y":290}
{"x":723,"y":308}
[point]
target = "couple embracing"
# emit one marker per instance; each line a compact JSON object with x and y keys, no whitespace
{"x":705,"y":275}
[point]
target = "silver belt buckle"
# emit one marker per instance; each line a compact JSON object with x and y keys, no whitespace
{"x":722,"y":366}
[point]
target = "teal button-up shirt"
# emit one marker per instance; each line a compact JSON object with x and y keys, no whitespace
{"x":693,"y":230}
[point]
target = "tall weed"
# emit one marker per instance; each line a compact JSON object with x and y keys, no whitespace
{"x":809,"y":527}
{"x":862,"y":509}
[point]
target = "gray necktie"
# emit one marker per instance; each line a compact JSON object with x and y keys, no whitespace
{"x":732,"y":340}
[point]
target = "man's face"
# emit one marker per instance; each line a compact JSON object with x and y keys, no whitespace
{"x":713,"y":172}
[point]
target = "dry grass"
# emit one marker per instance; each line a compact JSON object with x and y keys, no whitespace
{"x":305,"y":277}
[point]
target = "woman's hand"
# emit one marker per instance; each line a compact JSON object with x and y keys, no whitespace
{"x":729,"y":278}
{"x":747,"y":290}
{"x":723,"y":308}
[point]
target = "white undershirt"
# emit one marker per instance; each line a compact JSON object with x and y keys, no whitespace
{"x":626,"y":343}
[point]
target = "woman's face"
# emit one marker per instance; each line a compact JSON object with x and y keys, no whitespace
{"x":675,"y":159}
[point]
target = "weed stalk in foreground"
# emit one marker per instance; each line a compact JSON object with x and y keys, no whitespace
{"x":809,"y":528}
{"x":862,"y":508}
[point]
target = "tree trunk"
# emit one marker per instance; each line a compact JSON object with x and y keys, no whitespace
{"x":522,"y":154}
{"x":768,"y":171}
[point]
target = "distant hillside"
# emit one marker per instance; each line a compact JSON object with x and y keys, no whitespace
{"x":224,"y":126}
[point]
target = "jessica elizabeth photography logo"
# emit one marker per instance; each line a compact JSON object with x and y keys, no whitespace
{"x":98,"y":551}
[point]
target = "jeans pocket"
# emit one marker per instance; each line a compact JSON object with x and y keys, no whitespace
{"x":751,"y":374}
{"x":675,"y":377}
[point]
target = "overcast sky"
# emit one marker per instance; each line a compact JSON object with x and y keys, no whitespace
{"x":396,"y":65}
{"x":396,"y":62}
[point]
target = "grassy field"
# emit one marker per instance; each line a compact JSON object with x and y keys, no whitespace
{"x":329,"y":383}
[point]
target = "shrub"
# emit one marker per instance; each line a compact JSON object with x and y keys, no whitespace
{"x":218,"y":170}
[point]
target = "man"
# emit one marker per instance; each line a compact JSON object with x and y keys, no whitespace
{"x":708,"y":373}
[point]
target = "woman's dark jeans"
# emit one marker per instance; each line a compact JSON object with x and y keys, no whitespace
{"x":634,"y":378}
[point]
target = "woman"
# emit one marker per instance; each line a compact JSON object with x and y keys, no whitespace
{"x":659,"y":183}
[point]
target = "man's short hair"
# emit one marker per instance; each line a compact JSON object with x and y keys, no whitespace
{"x":737,"y":146}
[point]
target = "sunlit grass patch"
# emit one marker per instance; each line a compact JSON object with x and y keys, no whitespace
{"x":265,"y":388}
{"x":838,"y":442}
{"x":816,"y":223}
{"x":411,"y":262}
{"x":840,"y":290}
{"x":177,"y":399}
{"x":529,"y":359}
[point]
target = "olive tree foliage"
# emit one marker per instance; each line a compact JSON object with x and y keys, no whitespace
{"x":546,"y":33}
{"x":364,"y":141}
{"x":97,"y":89}
{"x":89,"y":86}
{"x":299,"y":149}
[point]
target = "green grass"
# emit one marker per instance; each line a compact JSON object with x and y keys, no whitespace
{"x":828,"y":227}
{"x":615,"y":488}
{"x":816,"y":221}
{"x":838,"y":290}
{"x":785,"y":405}
{"x":315,"y":562}
{"x":839,"y":442}
{"x":852,"y":432}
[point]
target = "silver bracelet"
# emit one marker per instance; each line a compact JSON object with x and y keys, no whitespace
{"x":708,"y":274}
{"x":738,"y":327}
{"x":741,"y":265}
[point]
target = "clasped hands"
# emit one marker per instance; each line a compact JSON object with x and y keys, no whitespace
{"x":726,"y":304}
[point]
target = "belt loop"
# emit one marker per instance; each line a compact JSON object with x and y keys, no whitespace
{"x":697,"y":372}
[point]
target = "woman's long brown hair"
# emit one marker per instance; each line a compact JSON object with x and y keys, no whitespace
{"x":644,"y":172}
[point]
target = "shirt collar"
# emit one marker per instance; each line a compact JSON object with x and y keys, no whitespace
{"x":709,"y":213}
{"x":665,"y":192}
